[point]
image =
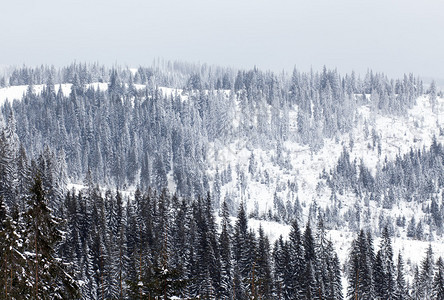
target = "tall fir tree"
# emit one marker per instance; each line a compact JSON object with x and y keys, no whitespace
{"x":438,"y":281}
{"x":426,"y":274}
{"x":42,"y":235}
{"x":360,"y":273}
{"x":401,"y":288}
{"x":14,"y":277}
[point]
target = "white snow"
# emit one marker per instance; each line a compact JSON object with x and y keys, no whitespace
{"x":12,"y":93}
{"x":397,"y":134}
{"x":17,"y":92}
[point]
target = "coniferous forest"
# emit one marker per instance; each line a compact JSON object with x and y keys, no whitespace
{"x":150,"y":216}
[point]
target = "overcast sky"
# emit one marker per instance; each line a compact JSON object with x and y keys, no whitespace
{"x":395,"y":37}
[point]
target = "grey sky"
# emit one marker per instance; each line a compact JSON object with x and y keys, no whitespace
{"x":386,"y":35}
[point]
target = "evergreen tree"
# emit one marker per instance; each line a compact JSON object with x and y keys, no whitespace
{"x":282,"y":273}
{"x":401,"y":288}
{"x":225,"y":255}
{"x":50,"y":278}
{"x":310,"y":285}
{"x":438,"y":281}
{"x":417,"y":292}
{"x":432,"y":96}
{"x":388,"y":269}
{"x":379,"y":276}
{"x":13,"y":274}
{"x":360,"y":274}
{"x":241,"y":249}
{"x":426,"y":274}
{"x":296,"y":259}
{"x":335,"y":277}
{"x":262,"y":278}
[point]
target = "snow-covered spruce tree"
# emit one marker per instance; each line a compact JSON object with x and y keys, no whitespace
{"x":401,"y":292}
{"x":432,"y":95}
{"x":296,"y":259}
{"x":334,"y":276}
{"x":214,"y":263}
{"x":327,"y":266}
{"x":71,"y":247}
{"x":323,"y":257}
{"x":23,"y":178}
{"x":360,"y":275}
{"x":388,"y":269}
{"x":163,"y":279}
{"x":438,"y":281}
{"x":262,"y":278}
{"x":14,"y":280}
{"x":207,"y":267}
{"x":416,"y":290}
{"x":281,"y":271}
{"x":178,"y":235}
{"x":426,"y":274}
{"x":8,"y":170}
{"x":132,"y":241}
{"x":146,"y":242}
{"x":378,"y":274}
{"x":96,"y":246}
{"x":310,"y":284}
{"x":49,"y":275}
{"x":240,"y":251}
{"x":226,"y":284}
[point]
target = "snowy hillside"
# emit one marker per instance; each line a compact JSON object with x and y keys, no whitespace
{"x":356,"y":162}
{"x":397,"y":136}
{"x":17,"y":92}
{"x":304,"y":166}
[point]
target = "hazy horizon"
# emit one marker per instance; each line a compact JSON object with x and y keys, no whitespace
{"x":386,"y":36}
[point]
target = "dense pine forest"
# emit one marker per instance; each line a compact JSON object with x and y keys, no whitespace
{"x":158,"y":211}
{"x":100,"y":246}
{"x":136,"y":133}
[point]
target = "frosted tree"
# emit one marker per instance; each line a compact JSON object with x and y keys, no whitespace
{"x":432,"y":96}
{"x":426,"y":274}
{"x":42,"y":234}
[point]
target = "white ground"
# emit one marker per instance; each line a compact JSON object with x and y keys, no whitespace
{"x":398,"y":134}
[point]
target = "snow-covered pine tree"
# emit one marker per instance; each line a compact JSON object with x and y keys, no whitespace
{"x":296,"y":265}
{"x":14,"y":278}
{"x":426,"y":274}
{"x":360,"y":275}
{"x":388,"y":269}
{"x":401,"y":292}
{"x":42,"y":235}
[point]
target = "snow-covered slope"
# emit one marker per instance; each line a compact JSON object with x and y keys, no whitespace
{"x":397,"y":135}
{"x":294,"y":173}
{"x":16,"y":92}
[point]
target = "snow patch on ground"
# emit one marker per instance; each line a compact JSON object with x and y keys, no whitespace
{"x":393,"y":135}
{"x":17,"y":92}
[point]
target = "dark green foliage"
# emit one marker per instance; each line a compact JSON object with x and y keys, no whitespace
{"x":296,"y":252}
{"x":13,"y":274}
{"x":387,"y":270}
{"x":438,"y":281}
{"x":401,"y":288}
{"x":225,"y":245}
{"x":360,"y":273}
{"x":42,"y":234}
{"x":163,"y":246}
{"x":262,"y":279}
{"x":426,"y":274}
